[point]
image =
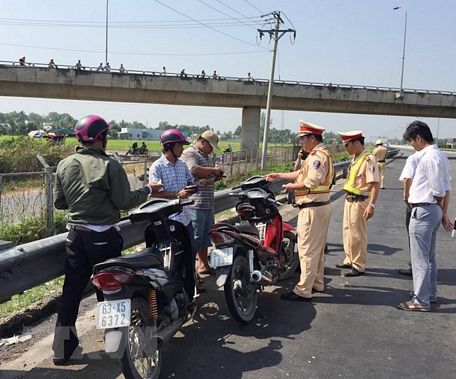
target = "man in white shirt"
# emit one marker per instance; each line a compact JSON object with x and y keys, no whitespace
{"x":428,"y":198}
{"x":406,"y":177}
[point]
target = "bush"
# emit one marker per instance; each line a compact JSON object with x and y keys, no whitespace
{"x":32,"y":229}
{"x":18,"y":154}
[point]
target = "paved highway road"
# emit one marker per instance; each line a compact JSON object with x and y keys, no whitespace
{"x":353,"y":330}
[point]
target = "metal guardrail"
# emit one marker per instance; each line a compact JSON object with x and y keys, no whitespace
{"x":34,"y":263}
{"x":329,"y":86}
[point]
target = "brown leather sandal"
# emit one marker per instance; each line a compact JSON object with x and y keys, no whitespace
{"x":411,"y":306}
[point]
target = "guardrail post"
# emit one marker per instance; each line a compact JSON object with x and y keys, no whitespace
{"x":49,"y":183}
{"x":48,"y":186}
{"x":146,"y":177}
{"x":245,"y":162}
{"x":1,"y":189}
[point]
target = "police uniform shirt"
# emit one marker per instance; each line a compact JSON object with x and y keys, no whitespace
{"x":368,"y":173}
{"x":380,"y":153}
{"x":312,"y":174}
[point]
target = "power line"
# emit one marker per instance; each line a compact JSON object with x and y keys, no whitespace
{"x":234,"y":10}
{"x":208,"y":26}
{"x":25,"y":20}
{"x":126,"y":26}
{"x":135,"y":53}
{"x":225,"y":14}
{"x":253,"y":6}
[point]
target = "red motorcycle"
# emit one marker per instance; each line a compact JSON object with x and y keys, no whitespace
{"x":260,"y":250}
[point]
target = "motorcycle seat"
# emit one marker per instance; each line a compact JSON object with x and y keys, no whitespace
{"x":147,"y":258}
{"x":247,"y":228}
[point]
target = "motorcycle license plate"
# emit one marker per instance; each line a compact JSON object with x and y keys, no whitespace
{"x":221,"y":257}
{"x":113,"y":314}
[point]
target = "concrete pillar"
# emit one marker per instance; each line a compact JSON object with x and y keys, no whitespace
{"x":250,"y":128}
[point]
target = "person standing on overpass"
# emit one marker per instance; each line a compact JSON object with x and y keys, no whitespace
{"x":380,"y":153}
{"x":94,"y":188}
{"x":429,"y":199}
{"x":362,"y":191}
{"x":312,"y":183}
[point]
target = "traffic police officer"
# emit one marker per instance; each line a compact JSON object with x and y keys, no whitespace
{"x":312,"y":183}
{"x":380,"y":153}
{"x":361,"y":187}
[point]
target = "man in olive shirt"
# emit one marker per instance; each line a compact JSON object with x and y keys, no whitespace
{"x":94,"y":188}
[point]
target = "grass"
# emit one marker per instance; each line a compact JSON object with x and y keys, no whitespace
{"x":153,"y":146}
{"x":20,"y":302}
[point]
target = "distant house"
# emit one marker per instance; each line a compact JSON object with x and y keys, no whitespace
{"x":451,"y":143}
{"x":140,"y":134}
{"x":47,"y":126}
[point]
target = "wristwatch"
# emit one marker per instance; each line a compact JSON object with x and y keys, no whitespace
{"x":372,"y":205}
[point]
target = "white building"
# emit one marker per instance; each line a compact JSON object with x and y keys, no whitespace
{"x":140,"y":134}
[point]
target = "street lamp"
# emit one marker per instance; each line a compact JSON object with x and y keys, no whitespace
{"x":403,"y":48}
{"x":106,"y":40}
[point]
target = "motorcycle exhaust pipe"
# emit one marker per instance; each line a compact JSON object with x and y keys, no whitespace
{"x":166,"y":334}
{"x":255,"y":276}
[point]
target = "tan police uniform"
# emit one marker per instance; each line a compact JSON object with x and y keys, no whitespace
{"x":363,"y":171}
{"x":380,"y":153}
{"x":316,"y":175}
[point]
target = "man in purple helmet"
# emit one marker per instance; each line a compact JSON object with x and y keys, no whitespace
{"x":94,"y":188}
{"x":174,"y":175}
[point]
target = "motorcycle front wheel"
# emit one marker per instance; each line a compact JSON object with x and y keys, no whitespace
{"x":290,"y":255}
{"x":240,"y":292}
{"x":141,"y":359}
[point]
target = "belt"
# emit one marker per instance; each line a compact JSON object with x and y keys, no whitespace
{"x":83,"y":228}
{"x":383,"y":161}
{"x":312,"y":204}
{"x":414,"y":205}
{"x":354,"y":198}
{"x":80,"y":228}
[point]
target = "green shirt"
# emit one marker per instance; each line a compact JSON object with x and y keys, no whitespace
{"x":94,"y":188}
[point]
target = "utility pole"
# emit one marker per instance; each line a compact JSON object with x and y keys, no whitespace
{"x":275,"y":34}
{"x":106,"y":51}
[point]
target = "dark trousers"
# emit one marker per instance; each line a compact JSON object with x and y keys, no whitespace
{"x":84,"y":249}
{"x":407,"y":223}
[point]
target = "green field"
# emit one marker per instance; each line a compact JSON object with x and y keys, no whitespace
{"x":123,"y":144}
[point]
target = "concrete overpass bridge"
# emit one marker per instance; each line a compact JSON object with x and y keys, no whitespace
{"x":150,"y":87}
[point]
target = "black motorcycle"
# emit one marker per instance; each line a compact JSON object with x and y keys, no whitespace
{"x":148,"y":295}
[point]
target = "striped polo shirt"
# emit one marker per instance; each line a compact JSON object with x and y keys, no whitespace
{"x":204,"y":198}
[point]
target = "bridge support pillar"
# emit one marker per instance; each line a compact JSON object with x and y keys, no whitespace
{"x":250,"y":128}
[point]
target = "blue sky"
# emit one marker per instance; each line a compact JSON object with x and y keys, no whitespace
{"x":348,"y":42}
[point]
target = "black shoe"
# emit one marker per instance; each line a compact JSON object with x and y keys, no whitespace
{"x":317,"y":291}
{"x":291,"y":296}
{"x":353,"y":272}
{"x":343,"y":265}
{"x":76,"y":354}
{"x":405,"y":271}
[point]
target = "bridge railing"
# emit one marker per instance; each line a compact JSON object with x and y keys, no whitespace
{"x":247,"y":81}
{"x":31,"y":264}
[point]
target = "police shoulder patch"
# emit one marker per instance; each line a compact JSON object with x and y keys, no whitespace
{"x":316,"y":164}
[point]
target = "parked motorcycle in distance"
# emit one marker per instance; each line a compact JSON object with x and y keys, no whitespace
{"x":259,"y":250}
{"x":148,"y":295}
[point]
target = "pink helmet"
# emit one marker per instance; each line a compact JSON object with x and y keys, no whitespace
{"x":90,"y":128}
{"x":173,"y":136}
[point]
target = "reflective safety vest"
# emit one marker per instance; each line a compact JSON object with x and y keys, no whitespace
{"x":326,"y":185}
{"x":349,"y":184}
